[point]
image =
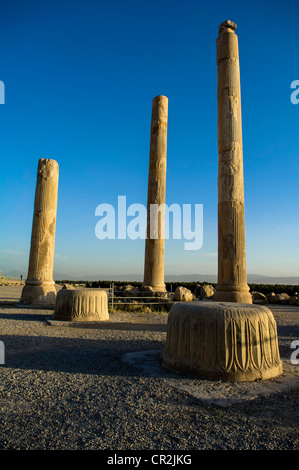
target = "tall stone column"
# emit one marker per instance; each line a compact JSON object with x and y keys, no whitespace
{"x":232,"y":279}
{"x":154,"y":246}
{"x":229,"y":339}
{"x":39,"y":287}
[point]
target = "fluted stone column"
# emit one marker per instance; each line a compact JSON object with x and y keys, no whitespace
{"x":229,"y":339}
{"x":39,"y":287}
{"x":232,"y":279}
{"x":154,"y":246}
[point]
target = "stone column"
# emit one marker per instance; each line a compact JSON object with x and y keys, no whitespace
{"x":232,"y":279}
{"x":154,"y":246}
{"x":229,"y":339}
{"x":39,"y":287}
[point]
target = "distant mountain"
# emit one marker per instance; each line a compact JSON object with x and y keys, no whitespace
{"x":261,"y":279}
{"x":103,"y":277}
{"x":14,"y":274}
{"x":191,"y":278}
{"x":251,"y":278}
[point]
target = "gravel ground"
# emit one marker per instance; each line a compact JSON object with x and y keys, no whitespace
{"x":67,"y":387}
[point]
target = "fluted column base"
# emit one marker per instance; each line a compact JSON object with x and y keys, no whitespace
{"x":81,"y":305}
{"x":222,"y":341}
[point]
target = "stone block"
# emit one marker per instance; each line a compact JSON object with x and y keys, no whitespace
{"x":259,"y":298}
{"x":183,"y":294}
{"x":207,"y":291}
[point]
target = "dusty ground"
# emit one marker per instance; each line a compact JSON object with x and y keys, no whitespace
{"x":102,"y":386}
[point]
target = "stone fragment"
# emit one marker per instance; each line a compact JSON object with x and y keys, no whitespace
{"x":294,"y":300}
{"x":207,"y":291}
{"x":283,"y":298}
{"x":182,"y":294}
{"x":259,"y":298}
{"x":197,"y":290}
{"x":130,"y":291}
{"x":81,"y":305}
{"x":279,"y":299}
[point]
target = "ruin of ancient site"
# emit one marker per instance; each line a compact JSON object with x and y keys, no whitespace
{"x":149,"y":283}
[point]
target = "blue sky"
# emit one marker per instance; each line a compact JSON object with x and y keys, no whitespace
{"x":79,"y":80}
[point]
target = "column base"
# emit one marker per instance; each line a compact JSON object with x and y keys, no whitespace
{"x":38,"y":294}
{"x":81,"y":305}
{"x":222,"y":341}
{"x":155,"y":287}
{"x":238,"y":296}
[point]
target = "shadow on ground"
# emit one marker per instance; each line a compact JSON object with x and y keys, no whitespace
{"x":73,"y":355}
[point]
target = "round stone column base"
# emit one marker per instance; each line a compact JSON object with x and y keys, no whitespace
{"x":222,"y":341}
{"x":242,"y":297}
{"x":41,"y":294}
{"x":81,"y":305}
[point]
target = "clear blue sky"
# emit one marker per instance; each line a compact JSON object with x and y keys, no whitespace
{"x":79,"y":80}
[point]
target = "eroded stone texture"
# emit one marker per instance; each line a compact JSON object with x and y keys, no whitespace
{"x":81,"y":305}
{"x":154,"y":246}
{"x":232,"y":279}
{"x":222,"y":341}
{"x":39,"y":287}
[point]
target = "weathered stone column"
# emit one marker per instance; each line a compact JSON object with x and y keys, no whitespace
{"x":232,"y":279}
{"x":39,"y":287}
{"x":229,"y":339}
{"x":154,"y":246}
